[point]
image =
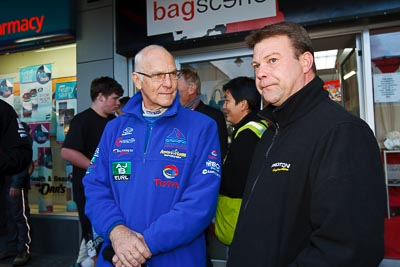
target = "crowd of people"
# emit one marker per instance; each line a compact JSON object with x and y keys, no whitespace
{"x":300,"y":183}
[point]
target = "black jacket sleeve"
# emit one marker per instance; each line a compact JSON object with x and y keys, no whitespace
{"x":15,"y":144}
{"x":237,"y":164}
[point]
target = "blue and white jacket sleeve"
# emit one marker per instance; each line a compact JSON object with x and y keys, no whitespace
{"x":101,"y":206}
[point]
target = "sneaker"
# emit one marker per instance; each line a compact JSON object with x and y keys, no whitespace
{"x":7,"y":254}
{"x":22,"y":259}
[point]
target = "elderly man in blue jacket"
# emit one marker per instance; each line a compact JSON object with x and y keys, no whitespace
{"x":153,"y":183}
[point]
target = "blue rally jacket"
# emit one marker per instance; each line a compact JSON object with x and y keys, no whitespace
{"x":159,"y":179}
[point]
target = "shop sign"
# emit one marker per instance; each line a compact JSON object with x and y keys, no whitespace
{"x":25,"y":19}
{"x":33,"y":24}
{"x":196,"y":18}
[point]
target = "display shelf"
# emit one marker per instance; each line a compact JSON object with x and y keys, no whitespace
{"x":392,"y":181}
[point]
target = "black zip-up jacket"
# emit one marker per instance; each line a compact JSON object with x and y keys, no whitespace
{"x":15,"y":145}
{"x":315,"y":195}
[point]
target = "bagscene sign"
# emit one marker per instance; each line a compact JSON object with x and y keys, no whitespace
{"x":200,"y":17}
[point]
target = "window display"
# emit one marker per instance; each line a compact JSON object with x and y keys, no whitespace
{"x":46,"y":100}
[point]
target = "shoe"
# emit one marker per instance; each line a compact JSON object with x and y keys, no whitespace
{"x":22,"y":259}
{"x":7,"y":254}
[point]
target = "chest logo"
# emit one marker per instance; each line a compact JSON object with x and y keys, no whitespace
{"x":280,"y":167}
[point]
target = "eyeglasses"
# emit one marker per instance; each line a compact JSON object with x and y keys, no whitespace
{"x":162,"y":76}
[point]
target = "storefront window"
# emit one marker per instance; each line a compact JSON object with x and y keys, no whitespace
{"x":41,"y":86}
{"x":385,"y":56}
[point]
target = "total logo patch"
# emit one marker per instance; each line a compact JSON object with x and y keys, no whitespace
{"x":121,"y":170}
{"x":280,"y":167}
{"x":170,"y":171}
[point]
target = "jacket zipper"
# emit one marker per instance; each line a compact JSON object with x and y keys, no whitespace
{"x":276,"y":126}
{"x":147,"y":142}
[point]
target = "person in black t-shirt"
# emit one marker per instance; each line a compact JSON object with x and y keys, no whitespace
{"x":79,"y":146}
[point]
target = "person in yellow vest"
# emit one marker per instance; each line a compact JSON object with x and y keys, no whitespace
{"x":242,"y":102}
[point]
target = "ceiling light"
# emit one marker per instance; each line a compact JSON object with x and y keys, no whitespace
{"x":23,"y":40}
{"x":55,"y":48}
{"x":348,"y":75}
{"x":325,"y":59}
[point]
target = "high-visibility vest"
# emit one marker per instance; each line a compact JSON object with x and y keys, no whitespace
{"x":228,"y":208}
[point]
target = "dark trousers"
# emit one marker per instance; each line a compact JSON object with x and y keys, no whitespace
{"x":19,"y":207}
{"x":8,"y":231}
{"x":14,"y":220}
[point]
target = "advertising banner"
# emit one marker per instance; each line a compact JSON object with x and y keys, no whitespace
{"x":36,"y":92}
{"x":66,"y":107}
{"x":7,"y":90}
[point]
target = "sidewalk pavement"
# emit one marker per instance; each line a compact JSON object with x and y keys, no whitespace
{"x":44,"y":260}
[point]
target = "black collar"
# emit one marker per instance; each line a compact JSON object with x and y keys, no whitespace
{"x":296,"y":105}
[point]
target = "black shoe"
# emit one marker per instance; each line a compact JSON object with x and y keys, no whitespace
{"x":22,"y":259}
{"x":7,"y":254}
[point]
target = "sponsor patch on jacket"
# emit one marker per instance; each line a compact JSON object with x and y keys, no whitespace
{"x":92,"y":161}
{"x":121,"y":170}
{"x":122,"y":151}
{"x":175,"y":139}
{"x":212,"y":167}
{"x":280,"y":167}
{"x":165,"y":184}
{"x":121,"y":141}
{"x":213,"y":154}
{"x":173,"y":153}
{"x":170,"y":171}
{"x":127,"y":131}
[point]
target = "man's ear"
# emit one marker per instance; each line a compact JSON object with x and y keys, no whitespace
{"x":100,"y":97}
{"x":307,"y":61}
{"x":136,"y":80}
{"x":244,"y":105}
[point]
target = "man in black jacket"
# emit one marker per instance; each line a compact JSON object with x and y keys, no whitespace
{"x":315,"y":195}
{"x":189,"y":87}
{"x":15,"y":156}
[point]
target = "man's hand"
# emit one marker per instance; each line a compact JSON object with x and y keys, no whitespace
{"x":14,"y":192}
{"x":130,"y":248}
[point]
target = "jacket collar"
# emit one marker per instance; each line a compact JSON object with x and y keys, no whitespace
{"x":297,"y":105}
{"x":134,"y":106}
{"x":249,"y":117}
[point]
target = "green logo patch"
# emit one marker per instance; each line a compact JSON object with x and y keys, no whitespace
{"x":121,"y":170}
